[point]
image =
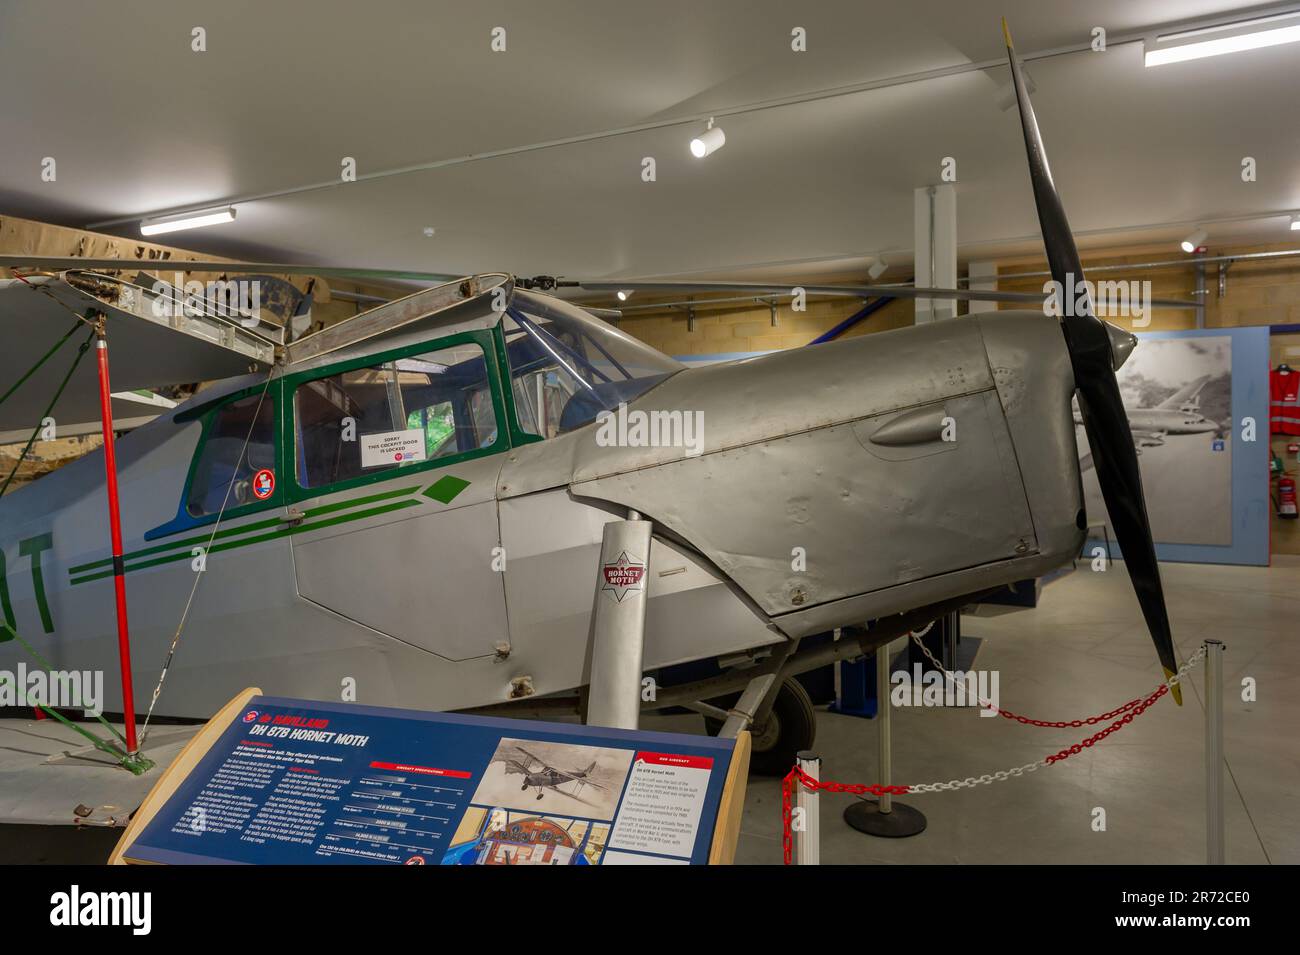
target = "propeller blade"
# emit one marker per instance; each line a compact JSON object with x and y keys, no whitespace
{"x":1104,"y":419}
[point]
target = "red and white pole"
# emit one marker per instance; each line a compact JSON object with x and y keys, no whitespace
{"x":115,"y":533}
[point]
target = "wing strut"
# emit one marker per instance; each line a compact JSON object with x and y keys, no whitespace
{"x":115,"y":534}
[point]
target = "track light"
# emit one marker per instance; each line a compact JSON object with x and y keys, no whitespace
{"x":1228,"y":38}
{"x":877,"y":269}
{"x":624,"y":294}
{"x":710,"y":141}
{"x":186,"y":220}
{"x":1194,"y":241}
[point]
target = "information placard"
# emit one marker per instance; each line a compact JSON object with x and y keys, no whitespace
{"x":294,"y":782}
{"x":392,"y":447}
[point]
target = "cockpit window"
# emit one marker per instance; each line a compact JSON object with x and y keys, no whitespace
{"x":393,"y":414}
{"x":239,"y":442}
{"x":566,"y":366}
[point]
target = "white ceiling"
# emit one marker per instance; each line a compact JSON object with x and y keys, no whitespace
{"x":140,"y":124}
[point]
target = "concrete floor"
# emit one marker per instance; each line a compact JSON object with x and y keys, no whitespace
{"x":1083,"y":651}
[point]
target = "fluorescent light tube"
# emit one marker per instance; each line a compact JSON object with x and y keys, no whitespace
{"x":186,"y":220}
{"x":1229,"y":38}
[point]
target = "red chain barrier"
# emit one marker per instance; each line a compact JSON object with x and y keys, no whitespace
{"x":797,"y":777}
{"x":1127,"y":718}
{"x":1063,"y":724}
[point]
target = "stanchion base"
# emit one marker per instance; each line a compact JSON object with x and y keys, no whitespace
{"x":900,"y":822}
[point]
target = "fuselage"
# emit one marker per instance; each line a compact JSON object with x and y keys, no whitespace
{"x":825,"y":491}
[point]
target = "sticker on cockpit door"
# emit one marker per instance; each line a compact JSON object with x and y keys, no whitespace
{"x":391,"y":447}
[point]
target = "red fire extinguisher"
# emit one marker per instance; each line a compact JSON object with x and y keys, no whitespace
{"x":1286,"y":504}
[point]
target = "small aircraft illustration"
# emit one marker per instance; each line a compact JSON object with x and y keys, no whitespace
{"x":413,"y":499}
{"x":541,"y":775}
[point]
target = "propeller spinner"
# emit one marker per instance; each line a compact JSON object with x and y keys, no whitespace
{"x":1094,"y":356}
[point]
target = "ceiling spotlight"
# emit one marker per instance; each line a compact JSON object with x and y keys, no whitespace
{"x":877,"y":268}
{"x":624,"y":294}
{"x":186,"y":220}
{"x":1194,"y":241}
{"x":1226,"y":38}
{"x":710,"y":141}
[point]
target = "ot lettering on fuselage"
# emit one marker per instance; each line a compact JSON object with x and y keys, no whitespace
{"x":33,"y":548}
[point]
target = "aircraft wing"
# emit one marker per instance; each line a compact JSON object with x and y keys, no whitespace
{"x":47,"y":771}
{"x":535,"y":759}
{"x":146,"y":350}
{"x":1184,"y":395}
{"x":515,"y":768}
{"x":1149,"y":439}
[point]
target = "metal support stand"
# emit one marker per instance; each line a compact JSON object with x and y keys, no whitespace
{"x":808,"y":840}
{"x":115,"y":536}
{"x":884,"y":817}
{"x":1214,"y":828}
{"x":618,"y":624}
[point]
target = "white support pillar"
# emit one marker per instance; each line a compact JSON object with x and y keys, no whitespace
{"x":935,"y":232}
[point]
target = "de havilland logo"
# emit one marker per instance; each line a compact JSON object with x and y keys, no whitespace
{"x":624,"y":576}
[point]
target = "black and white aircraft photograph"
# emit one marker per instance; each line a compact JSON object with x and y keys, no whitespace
{"x":785,"y":435}
{"x":579,"y":780}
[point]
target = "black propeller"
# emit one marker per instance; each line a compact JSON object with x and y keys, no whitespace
{"x":1089,"y":342}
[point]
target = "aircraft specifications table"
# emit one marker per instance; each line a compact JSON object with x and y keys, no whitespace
{"x":293,"y":781}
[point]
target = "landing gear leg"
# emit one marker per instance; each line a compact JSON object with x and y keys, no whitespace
{"x":790,"y":726}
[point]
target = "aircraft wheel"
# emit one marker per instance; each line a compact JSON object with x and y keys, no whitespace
{"x":791,"y":726}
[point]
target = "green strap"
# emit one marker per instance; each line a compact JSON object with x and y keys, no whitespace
{"x":49,"y":668}
{"x":136,"y":763}
{"x":95,"y":741}
{"x":44,"y":358}
{"x":48,"y":408}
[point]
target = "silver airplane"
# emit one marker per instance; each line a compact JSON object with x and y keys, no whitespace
{"x":1178,"y":414}
{"x":411,"y":502}
{"x":544,"y":776}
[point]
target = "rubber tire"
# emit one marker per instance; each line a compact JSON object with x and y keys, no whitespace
{"x":796,"y":729}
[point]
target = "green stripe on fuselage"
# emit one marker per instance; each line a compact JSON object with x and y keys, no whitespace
{"x":258,"y":539}
{"x":182,"y":548}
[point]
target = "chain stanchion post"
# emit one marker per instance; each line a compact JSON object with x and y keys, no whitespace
{"x":1214,"y":827}
{"x":884,"y":743}
{"x":808,"y":839}
{"x":884,"y":817}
